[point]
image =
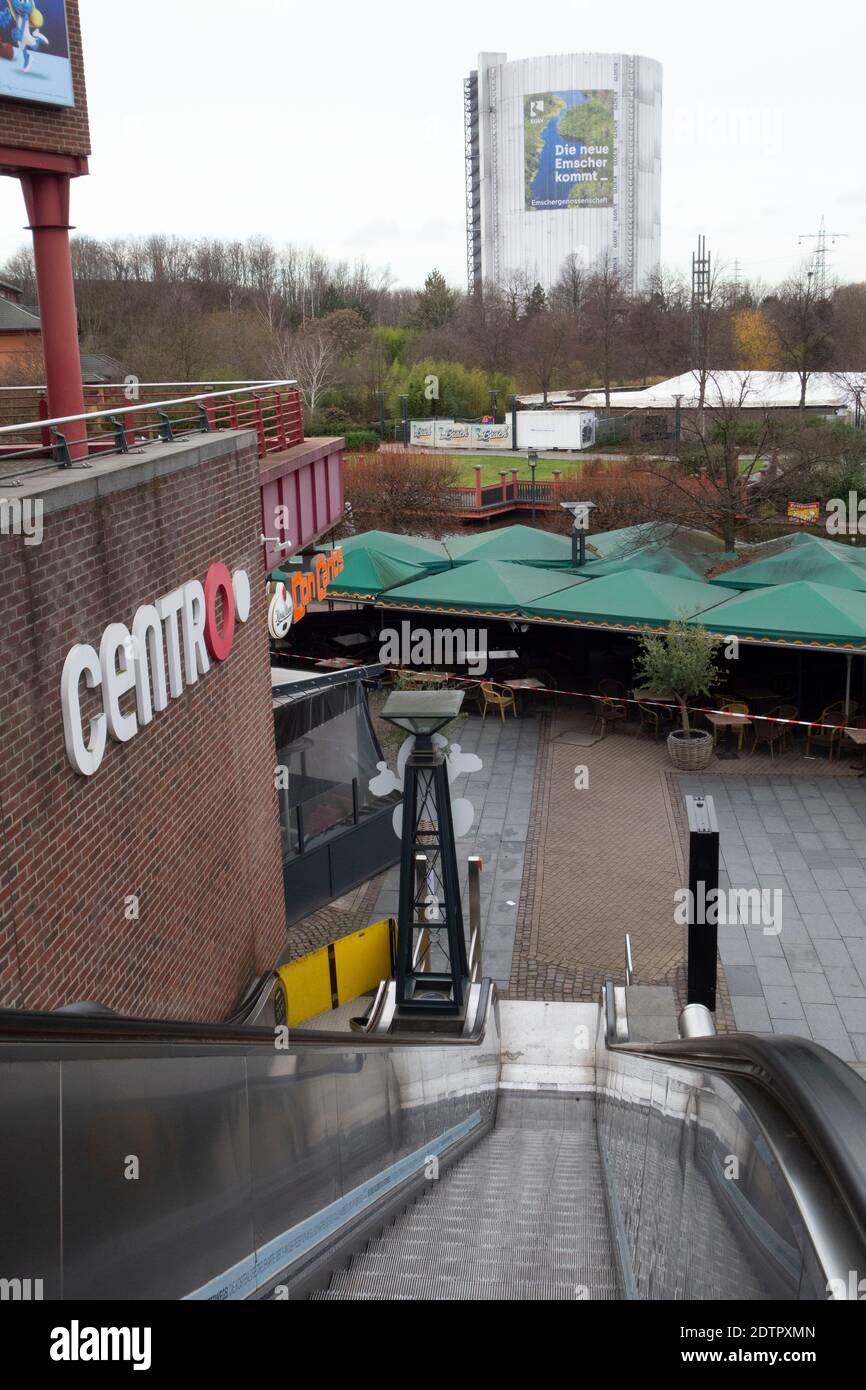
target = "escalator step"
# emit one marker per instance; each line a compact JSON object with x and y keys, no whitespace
{"x":521,"y":1216}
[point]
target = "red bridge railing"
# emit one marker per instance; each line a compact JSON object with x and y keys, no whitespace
{"x":271,"y":409}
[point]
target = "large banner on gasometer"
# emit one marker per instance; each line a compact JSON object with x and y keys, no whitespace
{"x":568,"y":150}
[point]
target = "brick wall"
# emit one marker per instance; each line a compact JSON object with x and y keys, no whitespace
{"x":59,"y":130}
{"x":184,"y":815}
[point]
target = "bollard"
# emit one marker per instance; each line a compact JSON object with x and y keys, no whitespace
{"x":703,"y":879}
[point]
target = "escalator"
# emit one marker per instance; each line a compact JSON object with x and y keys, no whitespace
{"x":521,"y":1216}
{"x":544,"y":1152}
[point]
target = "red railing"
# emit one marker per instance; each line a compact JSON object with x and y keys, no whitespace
{"x":509,"y":494}
{"x":271,"y":409}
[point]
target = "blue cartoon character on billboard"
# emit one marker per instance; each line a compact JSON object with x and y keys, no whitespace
{"x":34,"y":52}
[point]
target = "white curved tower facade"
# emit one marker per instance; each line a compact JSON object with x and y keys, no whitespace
{"x":563,"y":156}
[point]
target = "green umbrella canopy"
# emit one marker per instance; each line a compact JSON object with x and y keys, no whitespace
{"x":414,"y":550}
{"x":800,"y":614}
{"x":514,"y":544}
{"x":485,"y":586}
{"x":797,"y":558}
{"x":628,"y":599}
{"x":366,"y":572}
{"x":658,"y":559}
{"x":610,"y":545}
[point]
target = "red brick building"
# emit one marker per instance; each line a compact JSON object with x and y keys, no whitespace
{"x":153,"y":885}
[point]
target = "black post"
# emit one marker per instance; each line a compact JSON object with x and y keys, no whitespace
{"x":404,"y":410}
{"x":703,"y":880}
{"x":425,"y":793}
{"x":494,"y":405}
{"x":380,"y":396}
{"x":678,"y":417}
{"x":514,"y":422}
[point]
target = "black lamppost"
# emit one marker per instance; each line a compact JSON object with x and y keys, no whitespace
{"x":494,"y":405}
{"x":532,"y":460}
{"x":432,"y":904}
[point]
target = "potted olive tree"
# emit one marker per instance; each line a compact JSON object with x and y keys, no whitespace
{"x":681,"y":662}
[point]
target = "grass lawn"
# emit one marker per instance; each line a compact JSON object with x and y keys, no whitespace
{"x":491,"y":464}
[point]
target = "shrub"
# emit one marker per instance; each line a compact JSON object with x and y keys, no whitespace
{"x":360,"y":441}
{"x":397,"y":490}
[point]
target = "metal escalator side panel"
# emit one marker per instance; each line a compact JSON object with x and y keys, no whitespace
{"x":160,"y":1161}
{"x":760,"y":1215}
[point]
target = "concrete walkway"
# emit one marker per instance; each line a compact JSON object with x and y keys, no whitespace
{"x":805,"y":837}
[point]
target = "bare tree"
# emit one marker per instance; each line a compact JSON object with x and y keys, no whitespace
{"x":802,"y":316}
{"x":607,"y":308}
{"x":717,"y":483}
{"x":310,"y":356}
{"x":542,"y":344}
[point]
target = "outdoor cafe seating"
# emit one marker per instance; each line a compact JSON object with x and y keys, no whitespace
{"x":497,"y":698}
{"x":831,"y":738}
{"x":765,"y":729}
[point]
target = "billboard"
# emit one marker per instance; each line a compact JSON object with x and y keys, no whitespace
{"x":34,"y":52}
{"x":568,"y":150}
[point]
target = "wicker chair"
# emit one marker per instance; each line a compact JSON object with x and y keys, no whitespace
{"x":733,"y":707}
{"x":655,"y":719}
{"x":499,"y":699}
{"x":765,"y":730}
{"x":608,"y":713}
{"x":828,"y":738}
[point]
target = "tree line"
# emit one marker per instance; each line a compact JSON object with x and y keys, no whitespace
{"x":171,"y":308}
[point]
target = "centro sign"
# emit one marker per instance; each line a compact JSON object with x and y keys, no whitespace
{"x":170,"y":644}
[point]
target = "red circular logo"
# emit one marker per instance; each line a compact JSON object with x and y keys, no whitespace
{"x":219,"y":643}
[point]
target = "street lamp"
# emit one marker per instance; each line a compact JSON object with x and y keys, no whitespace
{"x":428,"y":830}
{"x":580,"y":525}
{"x":532,"y":460}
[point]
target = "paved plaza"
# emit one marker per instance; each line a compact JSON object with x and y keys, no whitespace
{"x":584,"y":839}
{"x":806,"y":837}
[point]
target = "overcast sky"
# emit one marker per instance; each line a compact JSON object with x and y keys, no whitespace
{"x":340,"y":124}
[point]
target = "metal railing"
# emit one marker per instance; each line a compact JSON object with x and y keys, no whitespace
{"x":271,"y":408}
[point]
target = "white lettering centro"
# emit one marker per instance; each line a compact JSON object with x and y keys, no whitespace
{"x":170,"y":644}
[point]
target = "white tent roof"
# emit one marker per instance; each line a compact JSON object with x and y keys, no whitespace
{"x":751,"y":390}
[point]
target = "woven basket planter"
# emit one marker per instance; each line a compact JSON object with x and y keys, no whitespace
{"x":690,"y":751}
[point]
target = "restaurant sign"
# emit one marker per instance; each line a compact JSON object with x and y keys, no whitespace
{"x":289,"y":602}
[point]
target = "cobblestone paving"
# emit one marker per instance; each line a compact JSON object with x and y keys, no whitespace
{"x":607,"y":859}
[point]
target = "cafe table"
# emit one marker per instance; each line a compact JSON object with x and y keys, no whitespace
{"x":727,"y":720}
{"x":858,"y":736}
{"x":335,"y":663}
{"x":524,"y":683}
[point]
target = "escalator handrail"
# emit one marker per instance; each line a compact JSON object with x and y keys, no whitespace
{"x":824,"y":1098}
{"x":27,"y":1026}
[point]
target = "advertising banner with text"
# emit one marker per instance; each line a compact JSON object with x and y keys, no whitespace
{"x":568,"y":150}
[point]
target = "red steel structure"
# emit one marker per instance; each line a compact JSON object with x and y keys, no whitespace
{"x":301,"y":479}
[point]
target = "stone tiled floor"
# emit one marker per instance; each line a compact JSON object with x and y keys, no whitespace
{"x":806,"y":837}
{"x":568,"y":871}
